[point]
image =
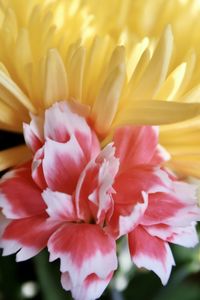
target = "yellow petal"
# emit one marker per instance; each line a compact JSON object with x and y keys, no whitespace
{"x":10,"y":23}
{"x":182,"y":140}
{"x":106,"y":104}
{"x":139,"y":70}
{"x":185,"y":165}
{"x":193,"y":95}
{"x":154,"y":112}
{"x":9,"y":117}
{"x":9,"y":85}
{"x":117,"y":58}
{"x":94,"y":70}
{"x":135,"y":56}
{"x":56,"y":84}
{"x":11,"y":100}
{"x":14,"y":156}
{"x":157,"y":69}
{"x":23,"y":54}
{"x":172,"y":84}
{"x":190,"y":65}
{"x":76,"y":68}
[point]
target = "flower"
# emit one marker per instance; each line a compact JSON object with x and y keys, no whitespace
{"x":77,"y":200}
{"x":105,"y":68}
{"x":49,"y":205}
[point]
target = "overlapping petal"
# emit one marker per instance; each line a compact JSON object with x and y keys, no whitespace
{"x":19,"y":196}
{"x":84,"y":198}
{"x":94,"y":189}
{"x":135,"y":145}
{"x":91,"y":288}
{"x":27,"y":236}
{"x":83,"y":249}
{"x":156,"y":256}
{"x":60,"y":206}
{"x":62,"y":164}
{"x":177,"y":208}
{"x":185,"y":236}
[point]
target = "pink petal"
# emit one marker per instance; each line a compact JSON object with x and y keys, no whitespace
{"x":63,"y":164}
{"x":135,"y":145}
{"x":177,"y":208}
{"x":19,"y":196}
{"x":151,"y":253}
{"x":130,"y":183}
{"x":83,"y":249}
{"x":29,"y":235}
{"x":94,"y":188}
{"x":126,"y":217}
{"x":60,"y":206}
{"x":3,"y":224}
{"x":160,"y":156}
{"x":33,"y":133}
{"x":61,"y":123}
{"x":91,"y":288}
{"x":37,"y":169}
{"x":184,"y":236}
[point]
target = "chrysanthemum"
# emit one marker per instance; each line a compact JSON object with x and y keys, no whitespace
{"x":120,"y":72}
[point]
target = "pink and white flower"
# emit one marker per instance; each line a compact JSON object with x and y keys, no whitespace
{"x":77,"y":200}
{"x":151,"y":206}
{"x":63,"y":201}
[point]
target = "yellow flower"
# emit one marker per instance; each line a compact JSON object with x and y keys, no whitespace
{"x":137,"y":19}
{"x":123,"y":68}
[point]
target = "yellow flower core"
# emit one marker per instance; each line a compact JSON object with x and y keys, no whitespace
{"x":122,"y":66}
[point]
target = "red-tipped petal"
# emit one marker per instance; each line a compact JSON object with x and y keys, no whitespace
{"x":37,"y":169}
{"x":135,"y":145}
{"x":183,"y":236}
{"x":29,"y":235}
{"x":129,"y":184}
{"x":19,"y":195}
{"x":33,"y":133}
{"x":91,"y":288}
{"x":151,"y":253}
{"x":61,"y":123}
{"x":63,"y":164}
{"x":175,"y":208}
{"x":60,"y":206}
{"x":83,"y":249}
{"x":126,"y":217}
{"x":94,"y":188}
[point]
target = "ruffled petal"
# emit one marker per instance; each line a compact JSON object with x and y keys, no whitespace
{"x":19,"y":196}
{"x":60,"y":206}
{"x":3,"y":224}
{"x":63,"y":164}
{"x":94,"y":188}
{"x":37,"y":169}
{"x":130,"y":183}
{"x":33,"y":133}
{"x":126,"y":217}
{"x":28,"y":236}
{"x":175,"y":208}
{"x":151,"y":253}
{"x":91,"y":288}
{"x":84,"y":249}
{"x":135,"y":145}
{"x":61,"y":123}
{"x":183,"y":236}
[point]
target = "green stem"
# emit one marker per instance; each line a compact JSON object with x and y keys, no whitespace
{"x":49,"y":278}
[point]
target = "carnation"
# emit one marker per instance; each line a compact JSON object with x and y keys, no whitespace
{"x":77,"y":200}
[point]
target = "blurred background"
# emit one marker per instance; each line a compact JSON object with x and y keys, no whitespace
{"x":37,"y":279}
